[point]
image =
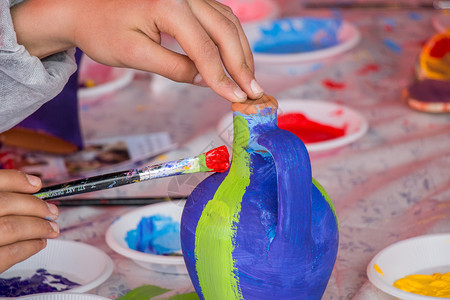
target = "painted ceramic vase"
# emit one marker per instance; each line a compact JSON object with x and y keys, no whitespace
{"x":265,"y":229}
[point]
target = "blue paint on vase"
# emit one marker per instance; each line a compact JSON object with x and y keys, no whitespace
{"x":297,"y":35}
{"x":157,"y":234}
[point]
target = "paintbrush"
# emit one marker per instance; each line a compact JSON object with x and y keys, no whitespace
{"x":119,"y":201}
{"x":215,"y":160}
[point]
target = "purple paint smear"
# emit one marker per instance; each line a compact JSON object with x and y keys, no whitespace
{"x":41,"y":282}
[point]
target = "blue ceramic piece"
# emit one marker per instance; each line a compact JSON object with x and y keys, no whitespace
{"x":265,"y":229}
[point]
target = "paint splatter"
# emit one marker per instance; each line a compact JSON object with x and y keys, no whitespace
{"x":333,"y":85}
{"x":415,"y":16}
{"x":391,"y":44}
{"x":307,"y":130}
{"x":368,"y":69}
{"x":378,"y":269}
{"x":388,"y":28}
{"x":337,"y":112}
{"x":389,"y":24}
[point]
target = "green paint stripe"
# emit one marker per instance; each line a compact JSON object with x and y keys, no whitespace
{"x":216,"y":230}
{"x":326,"y":196}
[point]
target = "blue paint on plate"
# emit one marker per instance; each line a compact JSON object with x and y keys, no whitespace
{"x":297,"y":35}
{"x":156,"y":234}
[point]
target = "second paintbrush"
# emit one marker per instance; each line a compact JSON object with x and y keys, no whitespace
{"x":215,"y":160}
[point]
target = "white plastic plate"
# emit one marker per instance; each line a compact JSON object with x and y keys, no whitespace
{"x":321,"y":37}
{"x":78,"y":262}
{"x":62,"y":296}
{"x":116,"y":233}
{"x":425,"y":254}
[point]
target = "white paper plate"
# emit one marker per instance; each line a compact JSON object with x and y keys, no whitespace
{"x":62,"y":296}
{"x":107,"y":79}
{"x":326,"y":113}
{"x":426,"y":254}
{"x":78,"y":262}
{"x":116,"y":233}
{"x":441,"y":21}
{"x":327,"y":41}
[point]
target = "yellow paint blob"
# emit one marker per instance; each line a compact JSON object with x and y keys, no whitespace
{"x":436,"y":285}
{"x":378,"y":269}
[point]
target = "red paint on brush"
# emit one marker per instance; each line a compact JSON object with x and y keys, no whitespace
{"x":218,"y":159}
{"x":307,"y":130}
{"x":333,"y":84}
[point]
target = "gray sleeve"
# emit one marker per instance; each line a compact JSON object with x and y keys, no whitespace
{"x":26,"y":82}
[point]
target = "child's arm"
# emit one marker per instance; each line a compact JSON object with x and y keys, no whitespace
{"x":126,"y":33}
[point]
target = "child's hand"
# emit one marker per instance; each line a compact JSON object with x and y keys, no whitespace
{"x":126,"y":33}
{"x":25,"y":221}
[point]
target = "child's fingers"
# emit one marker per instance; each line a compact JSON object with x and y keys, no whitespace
{"x":227,"y":12}
{"x":146,"y":55}
{"x":16,"y":181}
{"x":202,"y":50}
{"x":26,"y":205}
{"x":14,"y":229}
{"x":17,"y":252}
{"x":225,"y":35}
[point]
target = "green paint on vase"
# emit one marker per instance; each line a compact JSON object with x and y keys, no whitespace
{"x":326,"y":196}
{"x":216,"y":228}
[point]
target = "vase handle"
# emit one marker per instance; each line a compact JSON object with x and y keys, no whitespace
{"x":294,"y":181}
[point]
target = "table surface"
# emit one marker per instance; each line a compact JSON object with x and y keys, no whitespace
{"x":392,"y":184}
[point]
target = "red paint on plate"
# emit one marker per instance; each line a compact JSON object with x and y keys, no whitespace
{"x":307,"y":130}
